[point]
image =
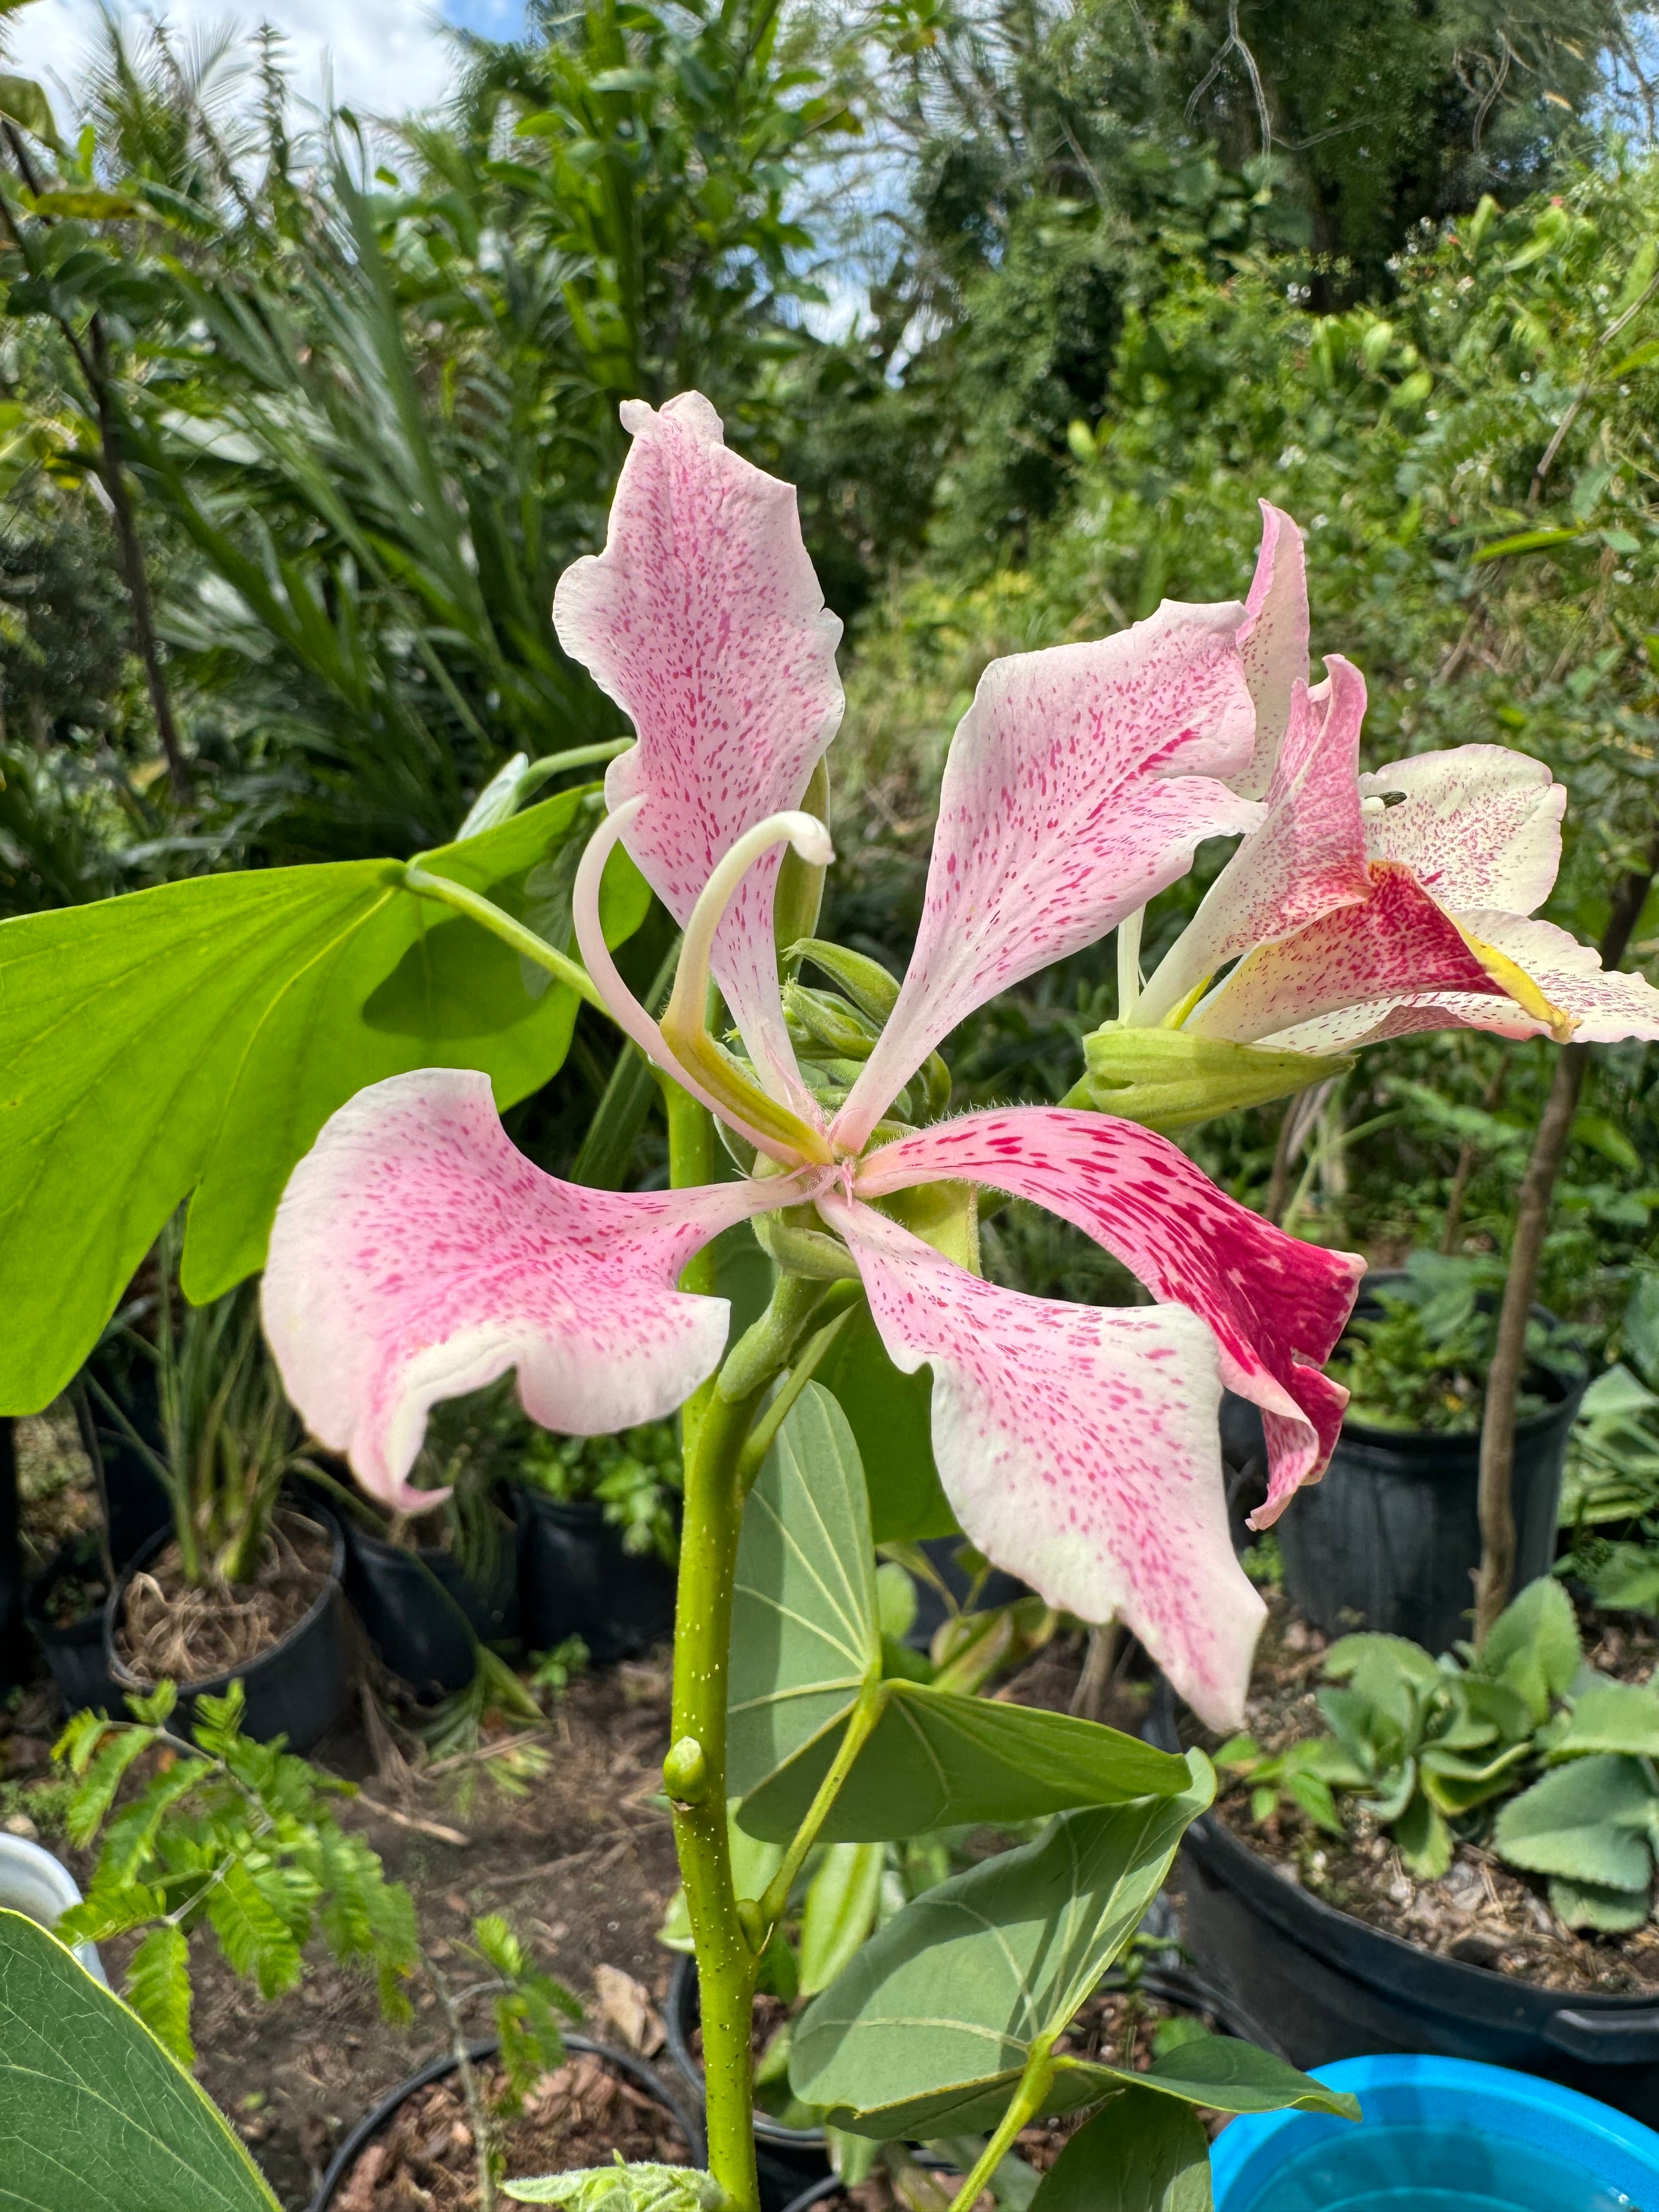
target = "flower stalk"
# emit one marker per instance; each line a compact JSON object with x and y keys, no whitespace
{"x":726,"y":1962}
{"x":1027,"y":2102}
{"x":559,"y":965}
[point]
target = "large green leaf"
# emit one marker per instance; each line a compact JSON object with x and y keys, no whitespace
{"x":839,"y":1912}
{"x":937,"y":1760}
{"x":807,"y":1641}
{"x":1141,"y":2154}
{"x":1229,"y":2075}
{"x":930,"y":2028}
{"x":1588,"y":1821}
{"x":806,"y":1633}
{"x":890,"y":1415}
{"x":1616,"y":1717}
{"x":196,"y":1037}
{"x":94,"y":2116}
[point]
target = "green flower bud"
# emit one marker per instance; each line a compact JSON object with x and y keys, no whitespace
{"x":1165,"y":1079}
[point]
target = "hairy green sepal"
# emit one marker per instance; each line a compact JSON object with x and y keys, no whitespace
{"x":1165,"y":1079}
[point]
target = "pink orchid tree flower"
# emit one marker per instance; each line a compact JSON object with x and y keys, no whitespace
{"x":417,"y":1254}
{"x":1365,"y":906}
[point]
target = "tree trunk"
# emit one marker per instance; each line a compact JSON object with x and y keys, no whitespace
{"x":1531,"y":1213}
{"x":92,"y":362}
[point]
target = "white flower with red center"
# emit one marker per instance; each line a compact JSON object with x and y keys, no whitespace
{"x":417,"y":1255}
{"x":1371,"y":906}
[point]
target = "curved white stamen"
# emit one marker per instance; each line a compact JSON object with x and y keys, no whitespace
{"x":625,"y":1009}
{"x":810,"y":839}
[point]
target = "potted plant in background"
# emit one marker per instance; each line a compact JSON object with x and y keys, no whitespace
{"x":1390,"y":1539}
{"x":105,"y":1485}
{"x":245,"y":1585}
{"x":601,"y":1538}
{"x":1469,"y":1843}
{"x":433,"y":1584}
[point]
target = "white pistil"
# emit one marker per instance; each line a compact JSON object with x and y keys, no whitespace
{"x":684,"y":1010}
{"x":625,"y":1009}
{"x":1128,"y":963}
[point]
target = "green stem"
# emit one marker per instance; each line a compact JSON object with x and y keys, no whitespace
{"x":872,"y":1703}
{"x":764,"y":1348}
{"x":713,"y":1433}
{"x":691,"y":1142}
{"x":703,"y":1634}
{"x":551,"y":764}
{"x":1029,"y":2098}
{"x":562,"y":969}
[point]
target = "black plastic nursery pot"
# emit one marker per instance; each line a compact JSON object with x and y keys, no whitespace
{"x":75,"y":1648}
{"x":1389,"y":1538}
{"x":819,"y":2192}
{"x":621,"y":2062}
{"x":577,"y":1580}
{"x":422,"y":1610}
{"x":296,"y":1689}
{"x":1316,"y":1985}
{"x":787,"y":2160}
{"x":134,"y":1499}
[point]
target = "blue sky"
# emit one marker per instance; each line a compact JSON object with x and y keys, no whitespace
{"x":381,"y":56}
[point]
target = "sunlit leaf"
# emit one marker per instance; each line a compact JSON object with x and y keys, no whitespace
{"x":194,"y":1038}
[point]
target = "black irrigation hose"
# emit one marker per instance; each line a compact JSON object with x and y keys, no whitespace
{"x":623,"y":2061}
{"x":819,"y":2193}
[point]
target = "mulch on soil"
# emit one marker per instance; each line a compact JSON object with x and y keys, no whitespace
{"x":169,"y":1631}
{"x":577,"y":2116}
{"x":1479,"y":1910}
{"x":580,"y":1863}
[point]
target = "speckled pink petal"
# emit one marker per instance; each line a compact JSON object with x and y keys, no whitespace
{"x":1078,"y":783}
{"x":1273,"y":641}
{"x":702,"y":619}
{"x":1607,"y":1003}
{"x":417,"y":1255}
{"x":1349,"y":1029}
{"x":1479,"y":826}
{"x":1397,"y":943}
{"x":1079,"y":1449}
{"x":1307,"y":859}
{"x":1276,"y":1305}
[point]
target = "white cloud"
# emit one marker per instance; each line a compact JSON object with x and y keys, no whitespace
{"x":382,"y":57}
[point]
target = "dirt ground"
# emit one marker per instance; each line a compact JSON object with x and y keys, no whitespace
{"x":580,"y":1862}
{"x":581,"y":1865}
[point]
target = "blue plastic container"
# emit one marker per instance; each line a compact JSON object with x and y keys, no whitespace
{"x":1439,"y":2135}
